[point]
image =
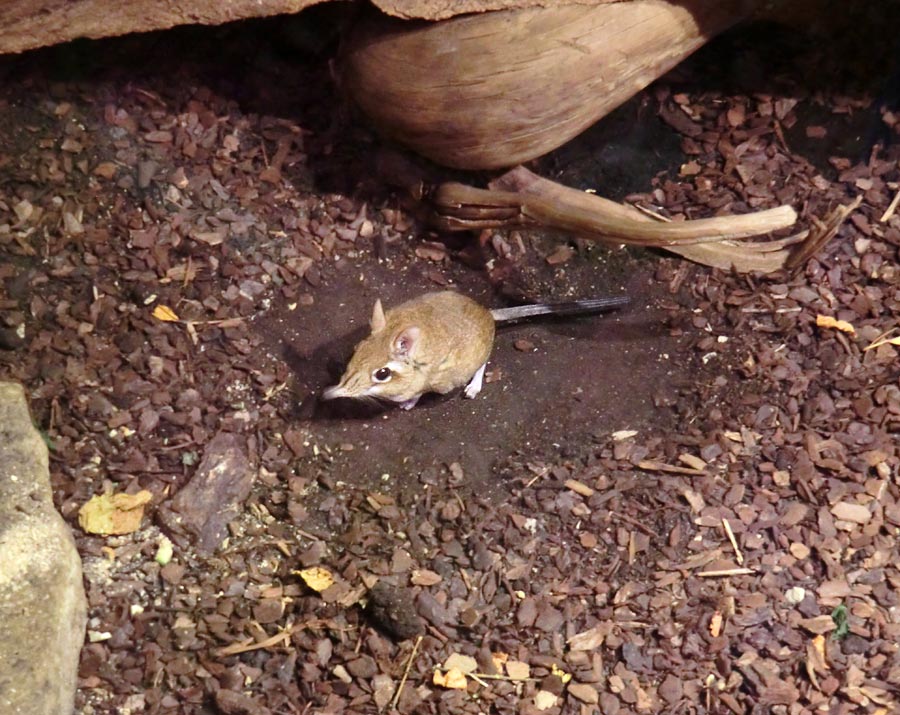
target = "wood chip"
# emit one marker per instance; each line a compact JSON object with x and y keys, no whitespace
{"x":579,"y":487}
{"x":848,"y":511}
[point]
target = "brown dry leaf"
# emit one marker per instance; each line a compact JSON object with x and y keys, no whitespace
{"x":517,"y":670}
{"x":826,"y":321}
{"x":113,"y":513}
{"x":316,"y":577}
{"x":452,"y":679}
{"x":165,"y":313}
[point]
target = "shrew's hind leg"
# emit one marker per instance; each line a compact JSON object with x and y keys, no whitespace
{"x":474,"y":386}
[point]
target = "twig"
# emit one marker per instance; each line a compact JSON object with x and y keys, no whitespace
{"x":462,"y":504}
{"x":494,"y":676}
{"x":245,"y":647}
{"x":892,"y":207}
{"x":284,"y":634}
{"x":634,"y":522}
{"x":821,"y":232}
{"x":734,"y":545}
{"x":465,"y":580}
{"x":409,"y":663}
{"x":883,"y":339}
{"x":727,"y":572}
{"x":543,"y":473}
{"x":652,"y":466}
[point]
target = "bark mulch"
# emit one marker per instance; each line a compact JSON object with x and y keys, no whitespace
{"x":730,"y":549}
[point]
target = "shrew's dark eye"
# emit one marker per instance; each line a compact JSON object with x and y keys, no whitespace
{"x":382,"y":374}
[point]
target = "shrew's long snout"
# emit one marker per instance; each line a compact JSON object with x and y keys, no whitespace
{"x":335,"y":391}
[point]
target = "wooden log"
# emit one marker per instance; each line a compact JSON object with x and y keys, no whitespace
{"x":493,"y":90}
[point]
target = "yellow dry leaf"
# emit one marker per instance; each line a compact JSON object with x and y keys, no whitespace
{"x":715,"y":624}
{"x":826,"y":321}
{"x":317,"y":578}
{"x":165,"y":313}
{"x":113,"y":513}
{"x":815,"y":660}
{"x":452,"y":679}
{"x":499,"y":658}
{"x":815,"y":654}
{"x":561,"y":674}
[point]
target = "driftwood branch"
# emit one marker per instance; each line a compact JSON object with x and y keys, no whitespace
{"x":520,"y":198}
{"x":531,"y":200}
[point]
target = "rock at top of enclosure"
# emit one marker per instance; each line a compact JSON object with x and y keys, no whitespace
{"x":29,"y":24}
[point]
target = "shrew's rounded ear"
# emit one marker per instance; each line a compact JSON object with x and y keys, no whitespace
{"x":406,"y":342}
{"x":378,"y":321}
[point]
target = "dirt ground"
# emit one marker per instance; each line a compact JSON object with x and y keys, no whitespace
{"x":690,"y":505}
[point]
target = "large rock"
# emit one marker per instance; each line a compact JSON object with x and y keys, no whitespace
{"x":42,"y":603}
{"x":37,"y":23}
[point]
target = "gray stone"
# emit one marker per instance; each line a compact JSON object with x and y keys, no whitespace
{"x":42,"y":602}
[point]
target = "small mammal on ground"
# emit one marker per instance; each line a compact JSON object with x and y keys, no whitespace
{"x":435,"y":343}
